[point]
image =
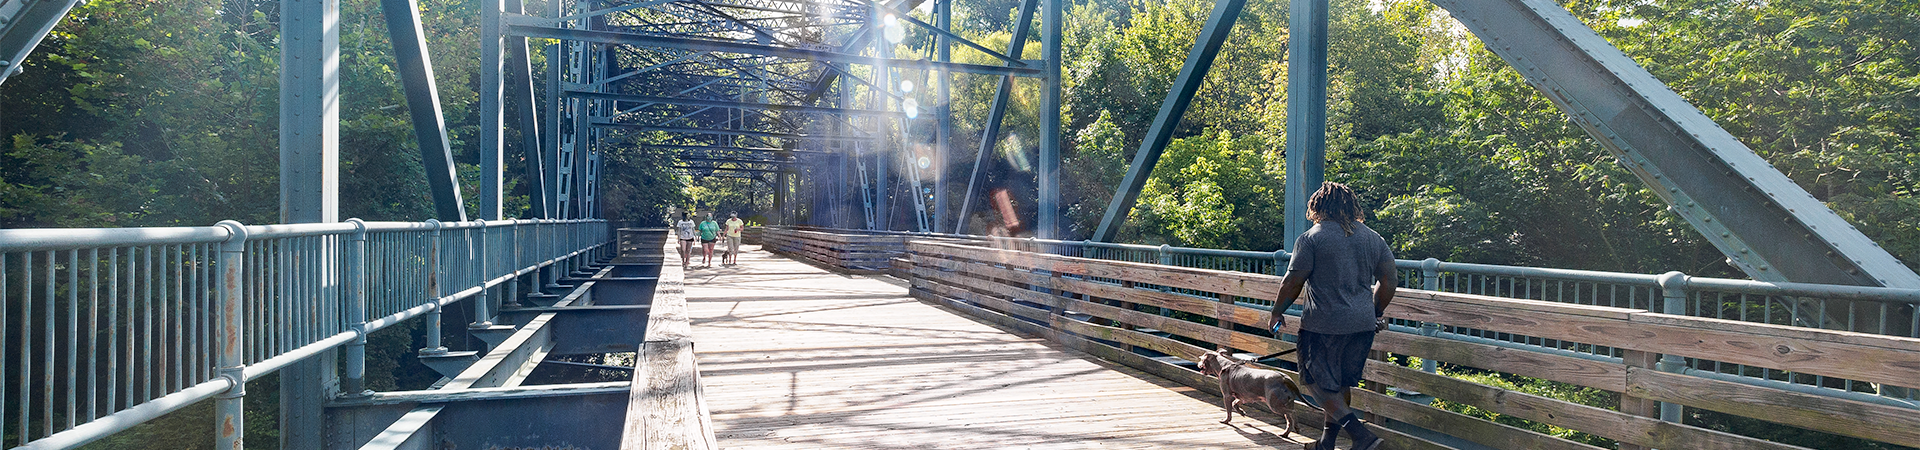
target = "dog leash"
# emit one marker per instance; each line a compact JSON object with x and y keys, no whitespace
{"x":1282,"y":352}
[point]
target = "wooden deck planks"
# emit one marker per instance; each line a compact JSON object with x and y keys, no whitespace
{"x":795,"y":357}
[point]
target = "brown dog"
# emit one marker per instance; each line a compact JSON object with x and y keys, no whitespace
{"x":1239,"y":383}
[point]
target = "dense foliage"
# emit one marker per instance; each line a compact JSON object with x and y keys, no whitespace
{"x":1457,"y":156}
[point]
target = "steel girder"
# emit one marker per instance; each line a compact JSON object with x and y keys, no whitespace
{"x":1199,"y":61}
{"x":423,"y":102}
{"x":730,"y":104}
{"x":23,"y":23}
{"x":991,"y":135}
{"x":608,"y":37}
{"x":1767,"y":226}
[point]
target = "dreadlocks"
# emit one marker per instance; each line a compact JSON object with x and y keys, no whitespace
{"x":1335,"y":202}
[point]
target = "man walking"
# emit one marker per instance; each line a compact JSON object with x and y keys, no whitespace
{"x":1341,"y":260}
{"x":734,"y":227}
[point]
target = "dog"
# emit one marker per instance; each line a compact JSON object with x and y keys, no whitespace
{"x":1239,"y":384}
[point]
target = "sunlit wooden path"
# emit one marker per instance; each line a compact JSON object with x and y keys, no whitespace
{"x":794,"y":356}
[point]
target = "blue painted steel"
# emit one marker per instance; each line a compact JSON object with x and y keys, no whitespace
{"x":731,"y":104}
{"x":990,"y":136}
{"x":493,"y":119}
{"x":520,"y":80}
{"x":415,"y":69}
{"x":1199,"y":60}
{"x":943,"y":107}
{"x":611,"y":37}
{"x":22,"y":26}
{"x":1766,"y":225}
{"x":1306,"y":111}
{"x":1047,"y":225}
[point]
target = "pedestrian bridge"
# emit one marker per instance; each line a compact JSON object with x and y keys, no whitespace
{"x":845,"y":339}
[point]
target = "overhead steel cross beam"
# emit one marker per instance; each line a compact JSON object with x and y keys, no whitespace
{"x":730,"y":104}
{"x":520,"y":28}
{"x":764,"y":134}
{"x":736,"y":149}
{"x":1766,"y":225}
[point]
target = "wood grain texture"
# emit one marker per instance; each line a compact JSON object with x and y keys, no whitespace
{"x":665,"y":407}
{"x":794,"y":357}
{"x":1459,"y":425}
{"x":1606,"y":423}
{"x":1838,"y":416}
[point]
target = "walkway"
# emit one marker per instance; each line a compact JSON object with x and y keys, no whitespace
{"x":793,"y":356}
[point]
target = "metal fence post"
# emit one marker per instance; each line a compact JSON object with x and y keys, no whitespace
{"x":1673,"y":292}
{"x":1429,"y":280}
{"x":482,"y":317}
{"x":434,"y":277}
{"x":356,"y":309}
{"x":230,"y":421}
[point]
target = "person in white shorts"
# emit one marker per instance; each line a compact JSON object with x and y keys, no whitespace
{"x":734,"y":226}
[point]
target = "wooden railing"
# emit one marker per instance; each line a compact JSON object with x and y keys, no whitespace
{"x":1095,"y":306}
{"x":844,"y":250}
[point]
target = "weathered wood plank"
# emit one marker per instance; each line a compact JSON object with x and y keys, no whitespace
{"x":1219,"y":281}
{"x":1872,"y":358}
{"x":1606,"y":423}
{"x":1814,"y":412}
{"x":1566,"y":369}
{"x":664,"y":404}
{"x":1459,"y":425}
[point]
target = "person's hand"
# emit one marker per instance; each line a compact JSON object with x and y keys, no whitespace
{"x":1275,"y":321}
{"x":1380,"y":324}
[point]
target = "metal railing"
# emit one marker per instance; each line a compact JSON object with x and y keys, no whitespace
{"x":104,"y":329}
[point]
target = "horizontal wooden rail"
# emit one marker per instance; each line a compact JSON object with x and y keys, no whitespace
{"x":1037,"y":291}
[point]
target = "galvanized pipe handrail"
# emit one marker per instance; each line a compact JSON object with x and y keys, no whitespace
{"x":225,"y":295}
{"x":1736,"y":286}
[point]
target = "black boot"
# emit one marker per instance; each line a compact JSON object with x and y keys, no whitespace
{"x":1327,"y":436}
{"x":1362,"y":439}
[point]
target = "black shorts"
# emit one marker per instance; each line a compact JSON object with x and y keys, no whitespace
{"x":1333,"y":362}
{"x":708,"y":241}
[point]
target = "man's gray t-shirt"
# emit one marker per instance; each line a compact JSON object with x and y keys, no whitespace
{"x":1340,"y":276}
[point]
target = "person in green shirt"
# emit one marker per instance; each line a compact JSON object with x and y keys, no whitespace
{"x":709,"y":232}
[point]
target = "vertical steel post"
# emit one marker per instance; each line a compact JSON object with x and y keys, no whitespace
{"x":943,"y":105}
{"x":521,"y":67}
{"x":990,"y":135}
{"x":1047,"y":225}
{"x":309,"y":183}
{"x":493,"y":118}
{"x":1429,"y":280}
{"x":886,"y":145}
{"x":1306,"y":111}
{"x":1673,"y":293}
{"x":230,"y":354}
{"x":355,"y":298}
{"x":550,"y":153}
{"x":482,"y":316}
{"x":435,"y":276}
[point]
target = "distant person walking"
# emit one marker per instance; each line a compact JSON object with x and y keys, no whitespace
{"x":709,"y":232}
{"x":734,"y":227}
{"x":685,"y":231}
{"x":1350,"y":270}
